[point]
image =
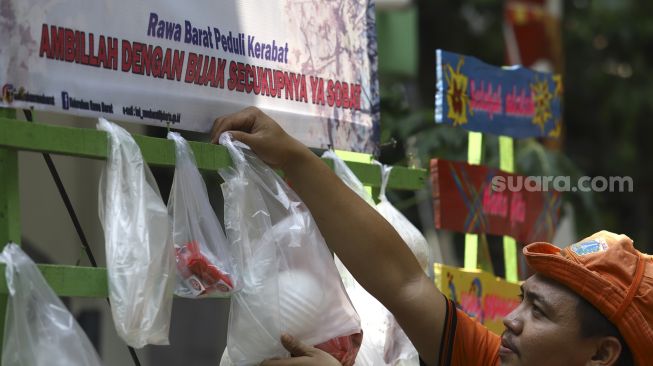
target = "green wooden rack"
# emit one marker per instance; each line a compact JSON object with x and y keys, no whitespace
{"x":80,"y":281}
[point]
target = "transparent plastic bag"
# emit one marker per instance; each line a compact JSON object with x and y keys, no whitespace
{"x":374,"y":316}
{"x":411,"y":235}
{"x":398,"y":348}
{"x":347,"y":176}
{"x":201,"y":248}
{"x":290,"y":283}
{"x":137,"y":234}
{"x":374,"y":319}
{"x":39,"y":329}
{"x":385,"y":342}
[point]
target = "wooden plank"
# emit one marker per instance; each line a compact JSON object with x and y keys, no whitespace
{"x":514,"y":101}
{"x":507,"y":164}
{"x":73,"y":281}
{"x":9,"y":197}
{"x":69,"y":280}
{"x":90,"y":143}
{"x":466,"y":199}
{"x":9,"y":209}
{"x":474,"y":157}
{"x":480,"y":294}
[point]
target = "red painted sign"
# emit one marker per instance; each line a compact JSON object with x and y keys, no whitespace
{"x":476,"y":199}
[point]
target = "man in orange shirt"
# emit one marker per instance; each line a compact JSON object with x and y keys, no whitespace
{"x":590,"y":304}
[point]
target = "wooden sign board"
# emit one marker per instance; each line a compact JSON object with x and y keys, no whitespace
{"x":476,"y":199}
{"x":515,"y":101}
{"x":482,"y":296}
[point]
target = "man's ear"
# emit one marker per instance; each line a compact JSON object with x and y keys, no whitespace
{"x":608,"y":350}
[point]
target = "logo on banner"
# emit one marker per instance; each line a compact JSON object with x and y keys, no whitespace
{"x":8,"y":93}
{"x":542,"y":99}
{"x":457,"y":96}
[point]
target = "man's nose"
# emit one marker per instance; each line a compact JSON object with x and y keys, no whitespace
{"x":513,"y":321}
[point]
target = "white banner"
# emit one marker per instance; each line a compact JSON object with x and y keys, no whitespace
{"x":310,"y":64}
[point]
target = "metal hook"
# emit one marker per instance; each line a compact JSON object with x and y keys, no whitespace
{"x":391,"y":143}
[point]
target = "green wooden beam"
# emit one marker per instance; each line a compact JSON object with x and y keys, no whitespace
{"x":402,"y":177}
{"x":72,"y":281}
{"x":9,"y":209}
{"x":9,"y":197}
{"x":69,"y":280}
{"x":91,"y":143}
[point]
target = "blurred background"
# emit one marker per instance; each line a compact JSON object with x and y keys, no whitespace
{"x":602,"y":49}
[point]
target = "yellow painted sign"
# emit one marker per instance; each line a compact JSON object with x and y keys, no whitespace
{"x":481,"y":295}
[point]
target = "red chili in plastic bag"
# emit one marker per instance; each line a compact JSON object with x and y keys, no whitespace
{"x":191,"y":262}
{"x":344,"y":349}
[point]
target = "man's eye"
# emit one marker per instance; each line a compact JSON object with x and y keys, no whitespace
{"x":537,"y":310}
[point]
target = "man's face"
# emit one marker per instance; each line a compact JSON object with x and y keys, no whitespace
{"x":544,"y":329}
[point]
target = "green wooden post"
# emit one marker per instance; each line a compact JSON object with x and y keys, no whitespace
{"x":474,"y":157}
{"x":507,"y":163}
{"x":9,"y":208}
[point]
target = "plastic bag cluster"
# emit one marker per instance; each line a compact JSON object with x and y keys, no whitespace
{"x":276,"y":266}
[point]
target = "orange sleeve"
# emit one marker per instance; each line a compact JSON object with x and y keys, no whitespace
{"x":466,"y":342}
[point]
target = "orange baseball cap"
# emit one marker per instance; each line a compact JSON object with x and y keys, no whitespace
{"x":612,"y":275}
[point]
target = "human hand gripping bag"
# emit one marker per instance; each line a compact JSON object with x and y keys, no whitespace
{"x":138,"y":243}
{"x":399,"y":350}
{"x":201,"y":248}
{"x":289,"y":281}
{"x":39,"y":329}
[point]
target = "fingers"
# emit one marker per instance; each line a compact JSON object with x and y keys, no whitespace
{"x":294,"y":346}
{"x":243,"y":137}
{"x":242,"y":120}
{"x":302,"y":355}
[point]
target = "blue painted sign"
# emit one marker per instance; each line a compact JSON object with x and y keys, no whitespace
{"x":514,"y":101}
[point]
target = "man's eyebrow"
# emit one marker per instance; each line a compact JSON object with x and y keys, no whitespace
{"x":534,"y":296}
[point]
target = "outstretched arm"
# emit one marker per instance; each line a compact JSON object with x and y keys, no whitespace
{"x":365,"y":242}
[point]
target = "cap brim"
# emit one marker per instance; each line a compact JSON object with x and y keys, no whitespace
{"x":547,"y":260}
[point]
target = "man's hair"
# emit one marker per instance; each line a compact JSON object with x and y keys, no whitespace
{"x":594,"y":324}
